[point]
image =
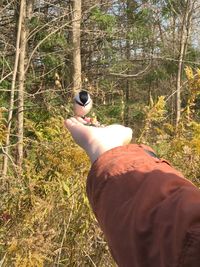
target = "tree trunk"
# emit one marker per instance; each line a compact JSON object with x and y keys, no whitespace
{"x":179,"y":74}
{"x":21,"y":79}
{"x":10,"y":113}
{"x":185,"y":30}
{"x":128,"y":56}
{"x":76,"y":37}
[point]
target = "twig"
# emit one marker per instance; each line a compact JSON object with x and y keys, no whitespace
{"x":6,"y":77}
{"x":121,"y":75}
{"x":2,"y":260}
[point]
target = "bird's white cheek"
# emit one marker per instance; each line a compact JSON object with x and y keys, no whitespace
{"x":88,"y":108}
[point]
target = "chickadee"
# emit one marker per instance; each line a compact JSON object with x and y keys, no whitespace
{"x":82,"y":103}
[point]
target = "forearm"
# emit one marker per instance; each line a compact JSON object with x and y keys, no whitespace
{"x":143,"y":206}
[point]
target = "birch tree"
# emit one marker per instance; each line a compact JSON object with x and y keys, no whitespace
{"x":185,"y":24}
{"x":21,"y":78}
{"x":76,"y":43}
{"x":13,"y":88}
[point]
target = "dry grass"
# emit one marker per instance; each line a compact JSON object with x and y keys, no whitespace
{"x":45,"y":216}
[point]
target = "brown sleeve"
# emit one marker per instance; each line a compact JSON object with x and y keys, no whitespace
{"x":149,"y":213}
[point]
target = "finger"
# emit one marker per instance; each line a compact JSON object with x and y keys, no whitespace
{"x":81,"y":120}
{"x":68,"y":123}
{"x":72,"y":123}
{"x":75,"y":120}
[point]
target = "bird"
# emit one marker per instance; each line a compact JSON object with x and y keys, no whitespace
{"x":82,"y":103}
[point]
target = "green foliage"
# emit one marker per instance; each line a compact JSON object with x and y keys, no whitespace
{"x":51,"y":60}
{"x":57,"y":40}
{"x":139,"y":33}
{"x":109,"y":114}
{"x":5,"y":84}
{"x":35,"y":22}
{"x":104,"y":21}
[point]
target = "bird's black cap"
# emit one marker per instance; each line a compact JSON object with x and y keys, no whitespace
{"x":83,"y":96}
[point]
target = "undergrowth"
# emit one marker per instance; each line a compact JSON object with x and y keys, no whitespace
{"x":45,"y":216}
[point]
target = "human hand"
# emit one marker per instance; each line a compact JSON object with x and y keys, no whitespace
{"x":97,"y":140}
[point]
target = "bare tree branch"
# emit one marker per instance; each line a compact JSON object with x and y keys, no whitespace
{"x":6,"y":77}
{"x":121,"y":75}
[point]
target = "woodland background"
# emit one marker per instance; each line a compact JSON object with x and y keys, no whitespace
{"x":140,"y":62}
